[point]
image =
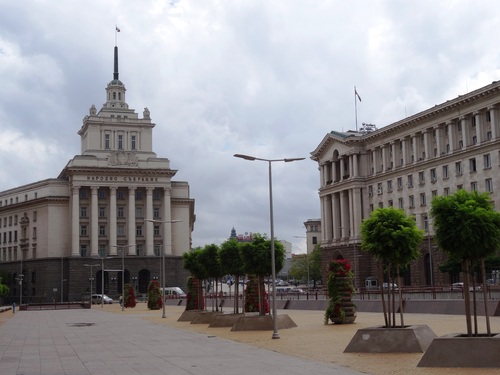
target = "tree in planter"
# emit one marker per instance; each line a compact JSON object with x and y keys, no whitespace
{"x":340,"y":289}
{"x":129,"y":296}
{"x":232,"y":264}
{"x":192,"y":263}
{"x":467,"y":228}
{"x":154,"y":295}
{"x":257,"y":261}
{"x":393,"y":239}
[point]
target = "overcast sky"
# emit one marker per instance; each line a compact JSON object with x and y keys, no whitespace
{"x":258,"y":77}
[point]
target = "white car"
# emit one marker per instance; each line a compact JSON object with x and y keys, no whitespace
{"x":96,"y":299}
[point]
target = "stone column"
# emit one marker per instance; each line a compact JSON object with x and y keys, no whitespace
{"x":167,"y":227}
{"x":75,"y":221}
{"x":94,"y":222}
{"x":149,"y":224}
{"x":131,"y":221}
{"x":112,"y":220}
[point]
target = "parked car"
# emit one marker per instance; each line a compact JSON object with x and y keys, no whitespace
{"x":96,"y":299}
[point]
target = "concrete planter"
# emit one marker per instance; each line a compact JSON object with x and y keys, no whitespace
{"x":458,"y":350}
{"x":409,"y":339}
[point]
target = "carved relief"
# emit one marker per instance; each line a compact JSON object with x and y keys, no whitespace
{"x":123,"y":158}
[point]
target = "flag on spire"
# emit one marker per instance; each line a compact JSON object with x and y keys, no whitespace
{"x":356,"y":93}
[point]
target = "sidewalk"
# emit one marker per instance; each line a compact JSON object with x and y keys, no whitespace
{"x":100,"y":342}
{"x":108,"y":341}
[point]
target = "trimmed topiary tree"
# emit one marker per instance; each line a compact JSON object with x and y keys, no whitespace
{"x":154,"y":295}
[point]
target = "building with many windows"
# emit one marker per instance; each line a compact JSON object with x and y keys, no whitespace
{"x":453,"y":145}
{"x":57,"y":234}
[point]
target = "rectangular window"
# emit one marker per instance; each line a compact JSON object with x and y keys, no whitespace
{"x":83,"y":211}
{"x":138,"y":212}
{"x":421,"y":178}
{"x":489,"y":185}
{"x":84,"y":251}
{"x":106,"y":141}
{"x":458,"y":167}
{"x":133,"y":142}
{"x":411,"y":198}
{"x":472,"y":165}
{"x":410,"y":180}
{"x":120,"y":142}
{"x":473,"y":186}
{"x":487,"y":161}
{"x":445,"y":171}
{"x":423,"y":199}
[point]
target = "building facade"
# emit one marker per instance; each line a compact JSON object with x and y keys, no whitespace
{"x":115,"y":205}
{"x":453,"y":145}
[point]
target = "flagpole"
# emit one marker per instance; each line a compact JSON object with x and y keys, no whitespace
{"x":356,"y":108}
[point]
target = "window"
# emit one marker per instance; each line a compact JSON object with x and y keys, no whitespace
{"x":120,"y":211}
{"x":433,"y":175}
{"x":106,"y":141}
{"x":458,"y":167}
{"x":423,"y":200}
{"x":400,"y":203}
{"x":102,"y":211}
{"x":83,"y":230}
{"x":102,"y":230}
{"x":445,"y":171}
{"x":156,"y":230}
{"x":487,"y":161}
{"x":389,"y":186}
{"x":133,"y":142}
{"x":412,"y":201}
{"x":84,"y":251}
{"x":472,"y":165}
{"x":101,"y":194}
{"x":421,"y":178}
{"x":410,"y":180}
{"x":400,"y":183}
{"x":138,"y":230}
{"x":473,"y":186}
{"x":138,"y":212}
{"x":156,"y":212}
{"x":489,"y":185}
{"x":120,"y":142}
{"x":83,"y":211}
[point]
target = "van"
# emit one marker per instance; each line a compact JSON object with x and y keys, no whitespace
{"x":174,"y":292}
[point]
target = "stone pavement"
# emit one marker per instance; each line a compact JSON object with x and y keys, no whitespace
{"x":99,"y":342}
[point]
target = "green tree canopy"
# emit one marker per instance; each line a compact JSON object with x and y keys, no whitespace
{"x":466,"y":225}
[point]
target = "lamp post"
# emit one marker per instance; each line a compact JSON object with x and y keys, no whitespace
{"x":123,"y":247}
{"x":91,"y":279}
{"x":162,"y":270}
{"x":271,"y":219}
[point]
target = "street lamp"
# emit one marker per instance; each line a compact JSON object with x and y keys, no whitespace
{"x":123,"y":247}
{"x":273,"y":261}
{"x":162,"y":271}
{"x":91,"y":278}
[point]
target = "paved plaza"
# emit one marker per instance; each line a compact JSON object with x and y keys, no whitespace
{"x":106,"y":340}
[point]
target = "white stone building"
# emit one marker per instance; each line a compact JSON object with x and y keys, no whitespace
{"x":453,"y":145}
{"x":97,"y":207}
